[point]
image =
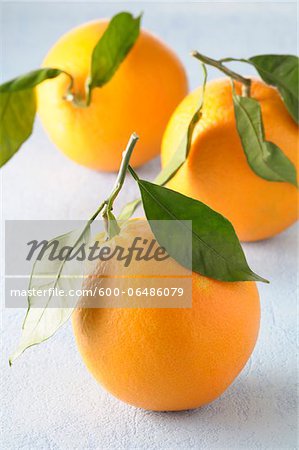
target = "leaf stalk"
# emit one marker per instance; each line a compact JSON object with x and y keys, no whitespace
{"x":246,"y":82}
{"x":123,"y":170}
{"x":107,"y":206}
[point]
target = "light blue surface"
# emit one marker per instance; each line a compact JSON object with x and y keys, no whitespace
{"x":48,"y":399}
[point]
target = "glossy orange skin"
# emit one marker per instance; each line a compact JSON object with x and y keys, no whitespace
{"x":217,"y":172}
{"x":174,"y":358}
{"x":140,"y":97}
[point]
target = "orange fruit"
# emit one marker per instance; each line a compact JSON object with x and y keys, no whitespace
{"x":140,"y":97}
{"x":217,"y":172}
{"x":167,"y":358}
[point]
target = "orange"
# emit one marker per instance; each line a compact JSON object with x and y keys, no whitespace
{"x":172,"y":358}
{"x":140,"y":97}
{"x":217,"y":172}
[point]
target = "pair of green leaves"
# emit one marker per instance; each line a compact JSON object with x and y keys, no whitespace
{"x":280,"y":71}
{"x":266,"y":159}
{"x":17,"y":97}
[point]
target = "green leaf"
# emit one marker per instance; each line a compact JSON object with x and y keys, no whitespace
{"x":216,"y":250}
{"x":17,"y":110}
{"x":29,"y":80}
{"x":265,"y":158}
{"x":113,"y":47}
{"x":281,"y":71}
{"x":182,"y":152}
{"x":45,"y":315}
{"x":17,"y":113}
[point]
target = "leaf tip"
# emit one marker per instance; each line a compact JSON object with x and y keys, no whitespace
{"x":261,"y":279}
{"x":15,"y":355}
{"x":252,"y":276}
{"x":11,"y":359}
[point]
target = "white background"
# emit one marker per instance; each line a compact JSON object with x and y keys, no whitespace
{"x":48,"y":399}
